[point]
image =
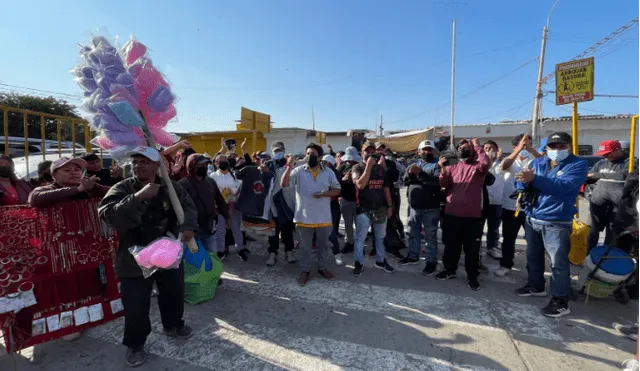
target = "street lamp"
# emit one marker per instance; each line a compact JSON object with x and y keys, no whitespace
{"x":538,"y":97}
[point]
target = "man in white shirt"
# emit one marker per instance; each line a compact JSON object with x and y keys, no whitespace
{"x":493,"y":211}
{"x":523,"y":153}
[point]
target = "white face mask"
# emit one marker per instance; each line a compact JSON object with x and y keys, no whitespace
{"x":557,"y":155}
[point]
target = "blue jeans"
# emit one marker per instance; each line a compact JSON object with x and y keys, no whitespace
{"x":209,"y":241}
{"x":362,"y":228}
{"x":427,"y":219}
{"x":555,"y":240}
{"x":493,"y":215}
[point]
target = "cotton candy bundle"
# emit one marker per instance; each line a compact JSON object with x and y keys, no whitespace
{"x":163,"y":253}
{"x":123,"y":91}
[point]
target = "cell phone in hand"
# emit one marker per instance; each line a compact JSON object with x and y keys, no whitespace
{"x":451,"y":157}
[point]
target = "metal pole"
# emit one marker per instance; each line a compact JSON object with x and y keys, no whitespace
{"x":538,"y":96}
{"x":574,"y":140}
{"x":632,"y":142}
{"x":453,"y":82}
{"x":381,"y":130}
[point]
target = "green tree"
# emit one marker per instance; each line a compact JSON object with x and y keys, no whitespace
{"x":48,"y":105}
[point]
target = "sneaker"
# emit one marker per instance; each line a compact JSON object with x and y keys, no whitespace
{"x":482,"y":267}
{"x":221,"y":255}
{"x":444,"y":275}
{"x":502,"y":271}
{"x":348,"y":247}
{"x":288,"y":255}
{"x":273,"y":258}
{"x":631,"y":365}
{"x":556,"y":308}
{"x":629,"y":331}
{"x":243,"y":254}
{"x":383,"y":265}
{"x":183,"y":332}
{"x":495,"y":253}
{"x":430,"y":268}
{"x":409,"y":261}
{"x":326,"y":274}
{"x":357,"y":271}
{"x":338,"y":258}
{"x":530,"y":291}
{"x":474,"y":284}
{"x":136,"y":356}
{"x":303,"y":279}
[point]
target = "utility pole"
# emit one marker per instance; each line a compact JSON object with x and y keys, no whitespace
{"x":313,"y":119}
{"x":381,"y":129}
{"x":538,"y":97}
{"x":453,"y":81}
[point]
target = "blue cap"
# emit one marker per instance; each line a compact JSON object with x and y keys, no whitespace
{"x":543,"y":145}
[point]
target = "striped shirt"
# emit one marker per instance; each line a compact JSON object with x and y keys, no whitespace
{"x":312,"y":212}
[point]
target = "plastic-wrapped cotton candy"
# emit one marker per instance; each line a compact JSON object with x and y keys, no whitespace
{"x":132,"y":51}
{"x":164,"y":253}
{"x":126,"y":113}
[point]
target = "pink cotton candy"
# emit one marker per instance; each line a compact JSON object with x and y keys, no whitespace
{"x":133,"y":50}
{"x":165,"y":252}
{"x":144,"y":258}
{"x":162,"y":137}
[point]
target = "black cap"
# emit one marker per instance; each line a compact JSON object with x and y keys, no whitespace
{"x":559,"y":137}
{"x":89,"y":156}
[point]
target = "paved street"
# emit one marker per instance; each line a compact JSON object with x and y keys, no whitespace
{"x":261,"y":319}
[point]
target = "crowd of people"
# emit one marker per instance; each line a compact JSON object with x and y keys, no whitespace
{"x":306,"y":198}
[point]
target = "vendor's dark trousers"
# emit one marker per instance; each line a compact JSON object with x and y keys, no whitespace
{"x":601,"y":218}
{"x":285,"y":231}
{"x":510,"y":227}
{"x":136,"y":299}
{"x":458,"y":234}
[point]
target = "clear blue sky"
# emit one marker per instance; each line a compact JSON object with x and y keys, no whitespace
{"x":351,"y":60}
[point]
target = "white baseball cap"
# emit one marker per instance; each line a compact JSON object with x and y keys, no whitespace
{"x":427,"y":144}
{"x":330,"y":159}
{"x":148,"y":152}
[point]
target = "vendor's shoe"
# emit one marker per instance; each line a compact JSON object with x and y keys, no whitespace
{"x":288,"y":255}
{"x":183,"y":332}
{"x":273,"y":258}
{"x":136,"y":356}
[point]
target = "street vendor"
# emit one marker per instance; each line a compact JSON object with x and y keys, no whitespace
{"x":69,"y":184}
{"x":140,"y":209}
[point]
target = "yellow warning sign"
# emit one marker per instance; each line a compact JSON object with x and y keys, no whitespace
{"x":574,"y":81}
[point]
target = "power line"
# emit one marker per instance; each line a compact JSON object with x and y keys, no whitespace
{"x":408,"y":118}
{"x":74,"y":96}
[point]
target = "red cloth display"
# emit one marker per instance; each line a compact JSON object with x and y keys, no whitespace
{"x":66,"y":253}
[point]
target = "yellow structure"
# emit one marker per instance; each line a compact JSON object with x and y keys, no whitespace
{"x":211,"y":142}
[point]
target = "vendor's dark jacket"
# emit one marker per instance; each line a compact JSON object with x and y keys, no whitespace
{"x":141,"y":222}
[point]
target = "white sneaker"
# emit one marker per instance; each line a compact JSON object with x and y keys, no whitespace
{"x":338,"y":257}
{"x":630,"y":365}
{"x":288,"y":255}
{"x":502,"y":271}
{"x":272,"y":260}
{"x":495,"y":253}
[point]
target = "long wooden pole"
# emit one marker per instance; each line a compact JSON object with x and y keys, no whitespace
{"x":173,"y":196}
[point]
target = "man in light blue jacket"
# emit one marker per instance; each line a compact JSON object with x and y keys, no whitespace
{"x":549,"y":189}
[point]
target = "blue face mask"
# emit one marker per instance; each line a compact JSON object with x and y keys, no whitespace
{"x":278,"y":155}
{"x":524,"y":153}
{"x":557,"y":155}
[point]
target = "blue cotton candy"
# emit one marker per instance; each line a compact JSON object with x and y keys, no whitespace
{"x":126,"y":114}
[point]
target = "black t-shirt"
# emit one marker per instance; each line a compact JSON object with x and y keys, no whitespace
{"x":348,"y":188}
{"x":372,"y":196}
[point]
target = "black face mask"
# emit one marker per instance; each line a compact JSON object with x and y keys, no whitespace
{"x":232,"y":162}
{"x":46,"y":177}
{"x":428,"y":157}
{"x":223,"y":166}
{"x":312,"y":160}
{"x":464,"y":153}
{"x":201,"y":171}
{"x":5,"y":172}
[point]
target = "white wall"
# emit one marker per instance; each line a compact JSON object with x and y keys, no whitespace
{"x":294,"y":140}
{"x":338,"y":142}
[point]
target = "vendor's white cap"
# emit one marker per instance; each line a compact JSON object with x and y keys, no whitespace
{"x":427,"y":144}
{"x":148,"y":152}
{"x":330,"y":159}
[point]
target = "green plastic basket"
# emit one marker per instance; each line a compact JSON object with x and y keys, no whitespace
{"x":599,"y":289}
{"x":200,"y":285}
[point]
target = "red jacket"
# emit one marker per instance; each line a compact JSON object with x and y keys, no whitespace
{"x":462,"y":184}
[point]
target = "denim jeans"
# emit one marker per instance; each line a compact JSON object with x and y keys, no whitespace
{"x":493,"y":214}
{"x":209,"y":241}
{"x":555,"y":240}
{"x":362,"y":228}
{"x":427,"y":219}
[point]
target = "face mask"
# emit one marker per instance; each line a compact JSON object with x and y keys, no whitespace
{"x":47,"y":177}
{"x":232,"y":162}
{"x":201,"y":171}
{"x":524,"y":153}
{"x":312,"y":160}
{"x":224,"y":165}
{"x":427,"y":157}
{"x":557,"y":155}
{"x":278,"y":155}
{"x":5,"y":171}
{"x":464,"y":153}
{"x":492,"y":155}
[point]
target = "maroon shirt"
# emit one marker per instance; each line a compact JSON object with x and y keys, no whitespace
{"x":463,"y":184}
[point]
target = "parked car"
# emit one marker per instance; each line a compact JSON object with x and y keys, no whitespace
{"x":34,"y":146}
{"x":35,"y":159}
